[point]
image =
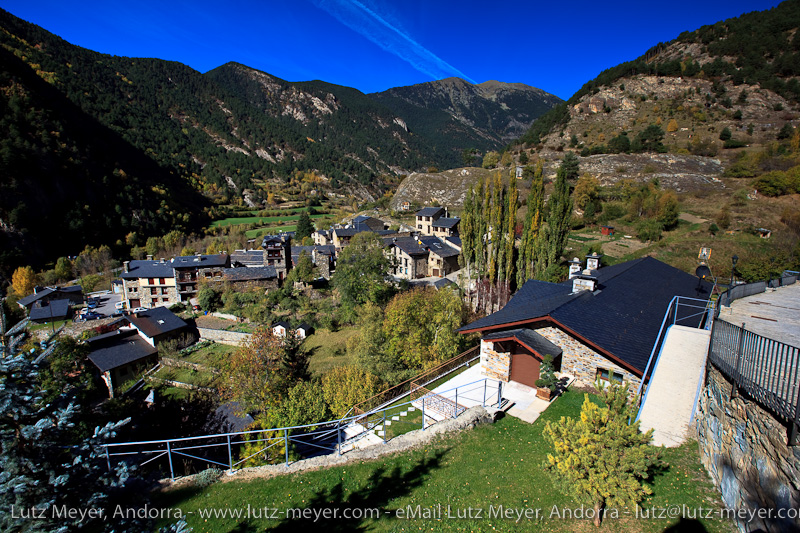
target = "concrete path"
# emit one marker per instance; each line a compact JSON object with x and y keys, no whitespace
{"x":672,"y":391}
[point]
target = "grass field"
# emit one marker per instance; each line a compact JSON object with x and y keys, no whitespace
{"x":484,"y":470}
{"x":263,"y":221}
{"x":328,"y":349}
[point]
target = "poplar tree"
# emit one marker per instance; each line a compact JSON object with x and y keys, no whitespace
{"x":479,"y":208}
{"x":559,"y":215}
{"x":600,"y":457}
{"x":467,"y":233}
{"x":511,"y":217}
{"x":531,"y":228}
{"x":498,"y":233}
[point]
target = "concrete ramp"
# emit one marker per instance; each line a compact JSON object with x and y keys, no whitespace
{"x":672,"y":391}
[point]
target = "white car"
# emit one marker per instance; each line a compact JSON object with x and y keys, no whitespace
{"x":138,"y":309}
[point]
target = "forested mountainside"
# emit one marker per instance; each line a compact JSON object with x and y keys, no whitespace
{"x":739,"y":73}
{"x":67,"y":180}
{"x":452,"y":114}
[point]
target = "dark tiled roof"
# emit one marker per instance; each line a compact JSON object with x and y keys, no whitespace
{"x":438,"y":247}
{"x":54,"y":293}
{"x":35,"y":296}
{"x":117,"y":349}
{"x":286,"y":325}
{"x":247,"y":257}
{"x":443,"y":222}
{"x":529,"y":338}
{"x":250,"y":273}
{"x":454,"y":240}
{"x":156,"y":321}
{"x":429,"y":211}
{"x":622,"y":316}
{"x":409,"y":245}
{"x":56,"y":310}
{"x":442,"y":283}
{"x":276,"y":239}
{"x":304,"y":326}
{"x":148,"y":269}
{"x":347,"y":232}
{"x":201,"y":261}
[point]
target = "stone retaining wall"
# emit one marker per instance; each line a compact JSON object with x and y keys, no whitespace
{"x":745,"y":450}
{"x":233,"y":338}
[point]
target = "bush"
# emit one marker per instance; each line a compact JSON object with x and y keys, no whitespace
{"x":649,"y":230}
{"x":207,"y":477}
{"x":734,"y":143}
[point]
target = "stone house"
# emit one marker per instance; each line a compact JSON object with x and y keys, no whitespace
{"x":122,"y":354}
{"x":323,"y":257}
{"x":421,"y":257}
{"x":278,"y":253}
{"x":42,"y":296}
{"x":191,"y":270}
{"x":601,"y":323}
{"x":434,"y":221}
{"x":251,"y":277}
{"x":148,"y":283}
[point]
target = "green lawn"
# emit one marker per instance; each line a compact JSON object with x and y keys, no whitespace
{"x":234,"y":221}
{"x":481,"y":469}
{"x":328,"y":349}
{"x":51,"y":326}
{"x":186,"y":375}
{"x":212,"y":354}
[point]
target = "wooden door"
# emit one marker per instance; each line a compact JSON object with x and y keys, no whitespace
{"x":524,"y":369}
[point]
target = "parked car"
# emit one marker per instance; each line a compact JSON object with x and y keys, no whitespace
{"x":91,"y":316}
{"x":91,"y":304}
{"x":138,"y":309}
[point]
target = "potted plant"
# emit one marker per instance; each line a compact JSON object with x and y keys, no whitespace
{"x":547,"y":384}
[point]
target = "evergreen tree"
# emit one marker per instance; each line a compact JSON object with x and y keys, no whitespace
{"x":45,"y":461}
{"x":304,"y":227}
{"x":601,"y":457}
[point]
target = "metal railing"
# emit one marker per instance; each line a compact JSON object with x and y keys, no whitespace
{"x":766,"y":369}
{"x":407,"y":386}
{"x":682,"y":311}
{"x":229,"y":450}
{"x":748,"y":289}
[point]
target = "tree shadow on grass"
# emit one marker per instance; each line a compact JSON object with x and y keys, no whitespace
{"x":338,"y":509}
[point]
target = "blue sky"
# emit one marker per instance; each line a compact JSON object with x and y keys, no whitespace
{"x":373,"y":45}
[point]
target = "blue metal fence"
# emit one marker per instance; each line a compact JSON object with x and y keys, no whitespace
{"x":225,"y":449}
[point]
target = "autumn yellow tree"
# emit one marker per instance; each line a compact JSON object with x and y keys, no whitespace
{"x":345,"y":386}
{"x":23,"y":280}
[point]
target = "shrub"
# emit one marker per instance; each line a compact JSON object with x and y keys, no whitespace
{"x":547,"y":378}
{"x":207,"y":477}
{"x":734,"y":143}
{"x":649,"y":230}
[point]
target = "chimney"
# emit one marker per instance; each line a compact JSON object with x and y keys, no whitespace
{"x":126,"y":265}
{"x":162,"y":260}
{"x":149,"y":257}
{"x":593,"y":261}
{"x":574,"y":267}
{"x":445,"y":213}
{"x":584,"y":282}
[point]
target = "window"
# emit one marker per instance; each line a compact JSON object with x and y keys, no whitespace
{"x":151,"y":281}
{"x":604,"y":374}
{"x":161,"y":281}
{"x":163,"y":291}
{"x":153,"y":290}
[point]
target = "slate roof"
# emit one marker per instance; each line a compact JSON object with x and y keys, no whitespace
{"x":55,"y":293}
{"x":409,"y":245}
{"x":443,"y":222}
{"x":247,"y":258}
{"x":148,"y":269}
{"x":118,"y":348}
{"x":286,"y":325}
{"x":438,"y":247}
{"x":622,"y":316}
{"x":275,"y":239}
{"x":326,"y":249}
{"x":529,"y":338}
{"x":56,"y":310}
{"x":365,"y":223}
{"x":201,"y":261}
{"x":347,"y":232}
{"x":156,"y":321}
{"x":454,"y":240}
{"x":250,"y":273}
{"x":429,"y":211}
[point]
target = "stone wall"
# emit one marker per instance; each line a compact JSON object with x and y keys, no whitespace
{"x":745,"y":450}
{"x":495,"y":365}
{"x":580,"y":361}
{"x":233,"y":338}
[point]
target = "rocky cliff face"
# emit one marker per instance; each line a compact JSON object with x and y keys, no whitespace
{"x":485,"y":116}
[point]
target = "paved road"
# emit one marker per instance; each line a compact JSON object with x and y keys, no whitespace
{"x":106,"y":302}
